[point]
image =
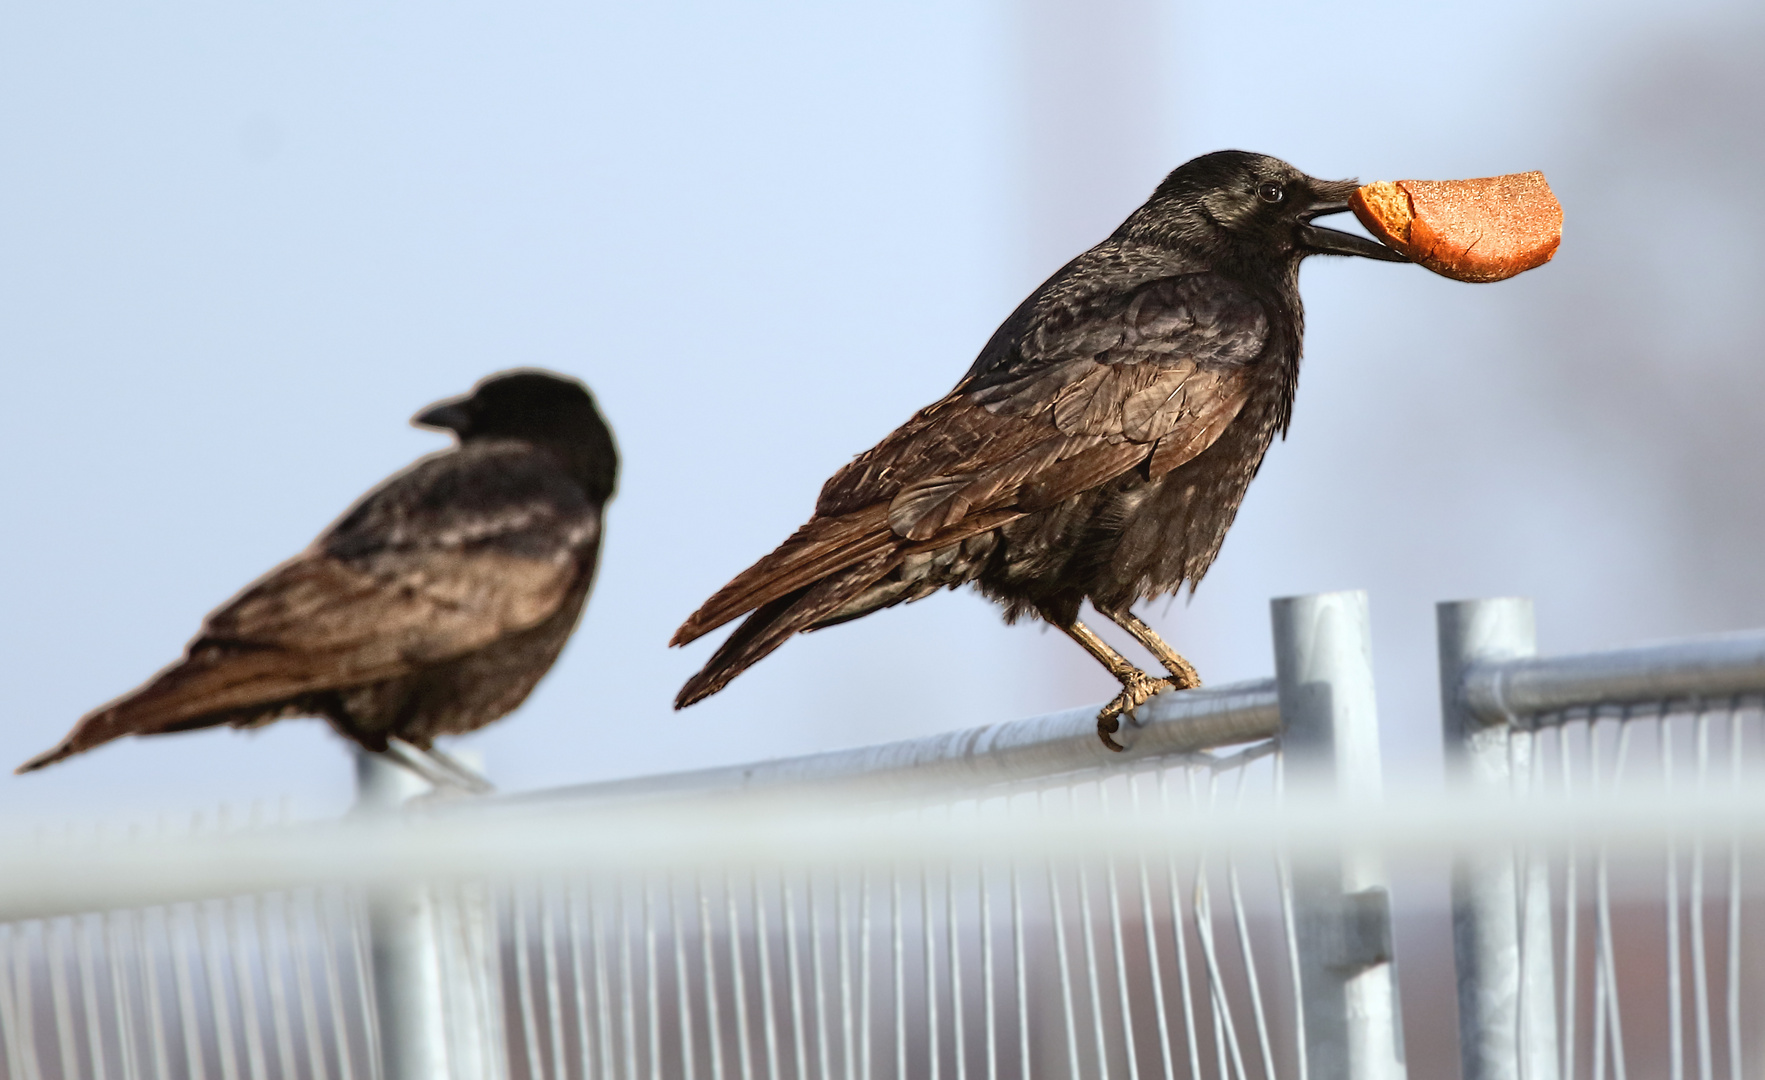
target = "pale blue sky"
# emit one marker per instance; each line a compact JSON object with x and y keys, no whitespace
{"x":241,"y":244}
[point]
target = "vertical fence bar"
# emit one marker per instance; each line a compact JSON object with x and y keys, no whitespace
{"x":401,"y":936}
{"x":1330,"y":742}
{"x":1506,"y":985}
{"x":407,"y":931}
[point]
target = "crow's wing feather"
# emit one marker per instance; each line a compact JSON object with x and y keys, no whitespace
{"x":1086,"y":359}
{"x":1093,"y":389}
{"x":393,"y":609}
{"x":446,"y":557}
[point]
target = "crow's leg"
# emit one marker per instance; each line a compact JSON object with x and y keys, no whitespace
{"x":1137,"y":686}
{"x":1183,"y":674}
{"x":437,"y":768}
{"x":466,"y":777}
{"x":415,"y":761}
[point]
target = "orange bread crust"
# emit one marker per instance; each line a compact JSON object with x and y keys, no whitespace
{"x":1469,"y":230}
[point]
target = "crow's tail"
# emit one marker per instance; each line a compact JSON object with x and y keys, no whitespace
{"x":775,"y":621}
{"x":116,"y":721}
{"x":193,"y":693}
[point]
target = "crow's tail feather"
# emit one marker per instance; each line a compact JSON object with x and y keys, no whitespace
{"x":191,"y":694}
{"x":775,"y":621}
{"x":116,"y":721}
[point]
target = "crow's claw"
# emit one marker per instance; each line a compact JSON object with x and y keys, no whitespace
{"x":1137,"y":688}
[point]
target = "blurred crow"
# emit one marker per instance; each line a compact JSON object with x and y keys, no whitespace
{"x":431,"y":608}
{"x":1097,"y":449}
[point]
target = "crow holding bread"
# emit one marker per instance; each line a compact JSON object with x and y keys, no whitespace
{"x":1097,"y":449}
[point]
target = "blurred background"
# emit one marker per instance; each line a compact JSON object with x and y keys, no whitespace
{"x":241,"y":244}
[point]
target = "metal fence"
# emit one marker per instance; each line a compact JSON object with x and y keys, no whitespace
{"x":951,"y":966}
{"x":264,"y":985}
{"x":1564,"y":949}
{"x":1010,"y":901}
{"x":976,"y":960}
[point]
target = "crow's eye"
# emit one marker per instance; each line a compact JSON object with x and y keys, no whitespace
{"x":1271,"y":192}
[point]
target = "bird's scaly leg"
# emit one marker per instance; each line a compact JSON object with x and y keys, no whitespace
{"x":412,"y":760}
{"x":465,"y":776}
{"x":436,"y":768}
{"x":1183,"y":674}
{"x":1137,"y":686}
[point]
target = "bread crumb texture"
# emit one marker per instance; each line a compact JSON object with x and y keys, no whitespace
{"x":1469,"y":230}
{"x":1385,"y":210}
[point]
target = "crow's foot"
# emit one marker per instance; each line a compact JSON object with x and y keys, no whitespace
{"x":1137,"y":688}
{"x":1183,"y":673}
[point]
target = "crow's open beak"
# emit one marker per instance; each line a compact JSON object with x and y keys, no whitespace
{"x":1318,"y":240}
{"x":449,"y":415}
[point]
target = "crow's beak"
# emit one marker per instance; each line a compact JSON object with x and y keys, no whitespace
{"x":450,"y":415}
{"x":1317,"y":240}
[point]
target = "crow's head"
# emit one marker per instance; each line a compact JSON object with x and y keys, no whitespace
{"x":1250,"y":207}
{"x":552,"y":411}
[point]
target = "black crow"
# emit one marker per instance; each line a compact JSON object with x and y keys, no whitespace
{"x":1097,"y":449}
{"x":431,"y":608}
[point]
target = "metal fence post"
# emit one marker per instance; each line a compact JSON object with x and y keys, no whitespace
{"x":1500,"y":977}
{"x":432,"y":992}
{"x":1330,"y":743}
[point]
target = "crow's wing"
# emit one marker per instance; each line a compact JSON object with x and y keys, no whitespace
{"x":463,"y":548}
{"x":455,"y":552}
{"x":1092,"y":388}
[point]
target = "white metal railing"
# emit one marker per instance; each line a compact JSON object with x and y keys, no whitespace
{"x":1563,"y":947}
{"x":258,"y":985}
{"x":963,"y":963}
{"x":976,"y":959}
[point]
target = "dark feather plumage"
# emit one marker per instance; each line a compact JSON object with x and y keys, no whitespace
{"x":432,"y":607}
{"x":1099,"y":446}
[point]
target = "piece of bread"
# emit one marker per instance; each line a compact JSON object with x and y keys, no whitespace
{"x":1469,"y":230}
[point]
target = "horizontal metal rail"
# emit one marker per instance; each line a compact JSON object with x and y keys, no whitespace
{"x":548,"y":828}
{"x":1692,"y":670}
{"x":51,"y":877}
{"x":1171,"y":723}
